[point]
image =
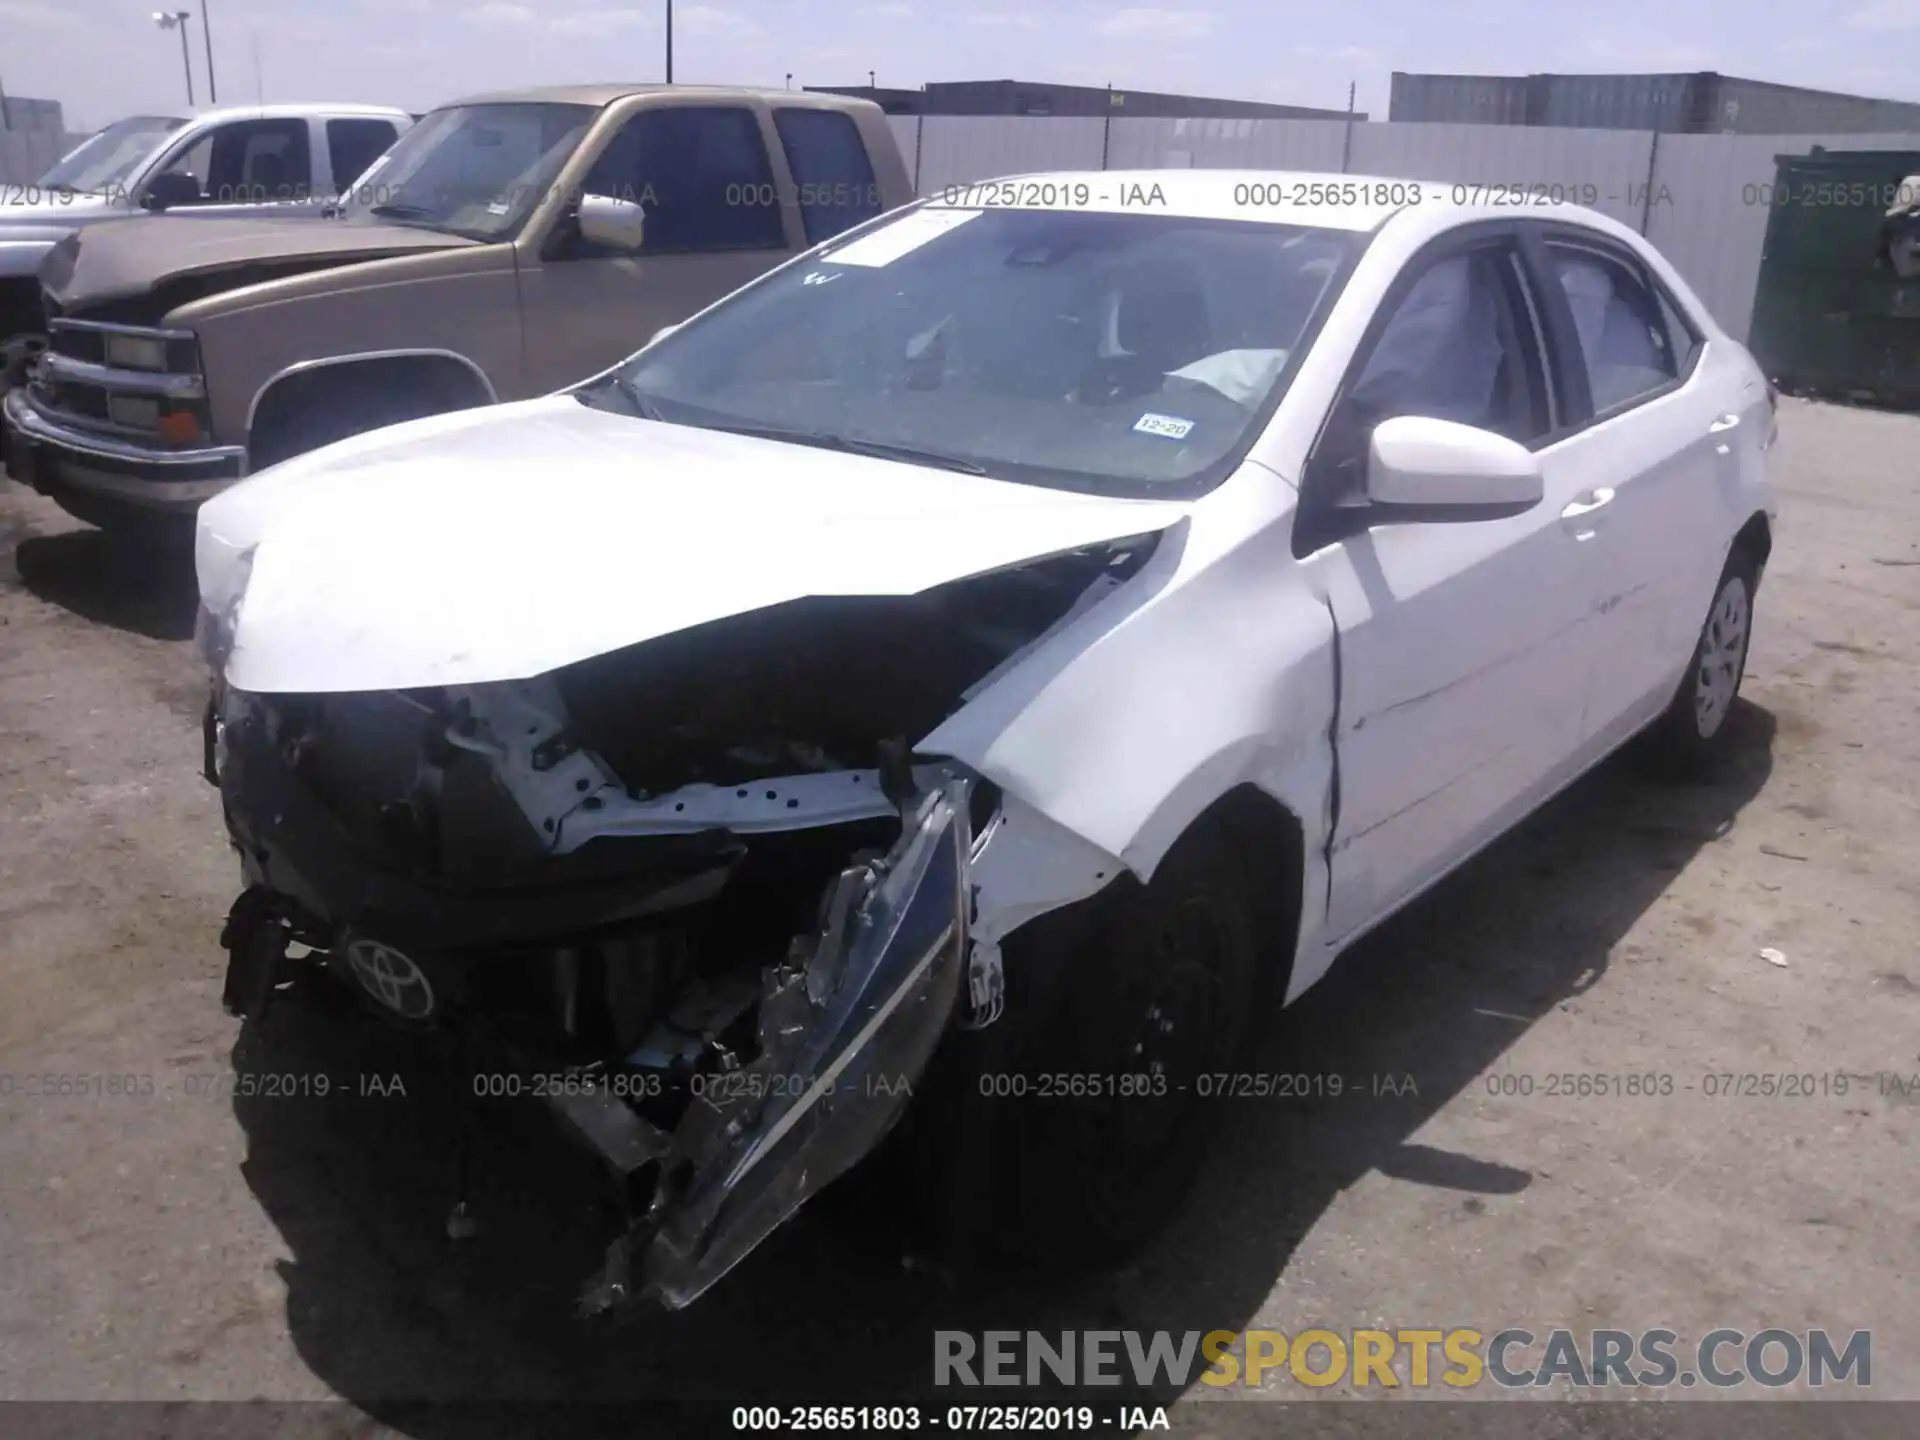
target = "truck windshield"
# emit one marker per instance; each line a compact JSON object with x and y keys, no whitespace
{"x":1116,"y":352}
{"x":474,"y":170}
{"x":104,"y":162}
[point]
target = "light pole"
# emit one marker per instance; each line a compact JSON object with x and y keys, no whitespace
{"x":669,"y":42}
{"x":177,"y":20}
{"x":206,"y":34}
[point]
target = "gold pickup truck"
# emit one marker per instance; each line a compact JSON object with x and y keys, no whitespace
{"x":506,"y":246}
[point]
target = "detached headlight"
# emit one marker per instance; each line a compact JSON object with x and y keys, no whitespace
{"x":136,"y":352}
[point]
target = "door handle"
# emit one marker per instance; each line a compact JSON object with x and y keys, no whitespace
{"x":1725,"y":422}
{"x":1579,"y":518}
{"x":1588,"y":503}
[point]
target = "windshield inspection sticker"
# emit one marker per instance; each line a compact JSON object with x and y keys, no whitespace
{"x":902,"y":237}
{"x":1171,"y":426}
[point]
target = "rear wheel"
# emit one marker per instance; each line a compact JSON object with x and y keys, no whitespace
{"x":1692,"y":732}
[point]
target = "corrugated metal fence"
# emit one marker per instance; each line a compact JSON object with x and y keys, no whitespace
{"x":1703,"y":199}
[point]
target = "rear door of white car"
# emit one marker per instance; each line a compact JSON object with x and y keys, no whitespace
{"x":1462,"y":651}
{"x":1659,"y":419}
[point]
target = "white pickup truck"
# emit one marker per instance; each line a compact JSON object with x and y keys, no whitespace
{"x":228,"y":161}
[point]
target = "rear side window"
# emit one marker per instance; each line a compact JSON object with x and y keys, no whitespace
{"x":830,"y":169}
{"x":703,"y":176}
{"x":353,"y":145}
{"x":1623,"y":324}
{"x":1682,"y":336}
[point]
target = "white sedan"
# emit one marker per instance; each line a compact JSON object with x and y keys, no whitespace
{"x":973,"y":673}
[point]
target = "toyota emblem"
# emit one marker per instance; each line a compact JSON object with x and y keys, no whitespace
{"x":391,"y":978}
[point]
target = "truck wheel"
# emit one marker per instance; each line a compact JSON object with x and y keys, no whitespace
{"x":1074,"y":1126}
{"x":1691,"y":735}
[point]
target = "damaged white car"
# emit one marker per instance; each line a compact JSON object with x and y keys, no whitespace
{"x":992,"y":659}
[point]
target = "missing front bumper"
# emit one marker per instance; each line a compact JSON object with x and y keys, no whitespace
{"x":846,"y":1027}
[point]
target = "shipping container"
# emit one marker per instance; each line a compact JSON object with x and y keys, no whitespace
{"x":1701,"y":102}
{"x":1021,"y":97}
{"x":1830,"y":316}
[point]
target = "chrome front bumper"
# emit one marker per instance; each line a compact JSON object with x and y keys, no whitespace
{"x":48,"y":456}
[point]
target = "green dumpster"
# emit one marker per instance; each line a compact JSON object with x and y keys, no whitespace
{"x":1831,"y":314}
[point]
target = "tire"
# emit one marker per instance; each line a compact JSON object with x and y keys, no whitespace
{"x":1691,"y":736}
{"x":1155,"y":993}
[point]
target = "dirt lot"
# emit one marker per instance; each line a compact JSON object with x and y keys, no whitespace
{"x":175,"y":1246}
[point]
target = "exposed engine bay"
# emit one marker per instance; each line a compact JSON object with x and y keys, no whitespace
{"x":705,"y":876}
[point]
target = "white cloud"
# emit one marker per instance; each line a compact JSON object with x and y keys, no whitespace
{"x":711,"y":22}
{"x":501,"y":13}
{"x":37,"y":17}
{"x":1655,"y":56}
{"x":1887,"y":15}
{"x":1163,"y":24}
{"x":1357,"y":56}
{"x":889,"y":12}
{"x":598,"y":24}
{"x":1003,"y":19}
{"x":592,"y":24}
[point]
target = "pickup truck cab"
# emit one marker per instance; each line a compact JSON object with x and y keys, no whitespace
{"x":506,"y":246}
{"x":229,"y":161}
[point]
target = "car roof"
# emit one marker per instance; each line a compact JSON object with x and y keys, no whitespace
{"x":1277,"y":197}
{"x":348,"y":109}
{"x":603,"y":95}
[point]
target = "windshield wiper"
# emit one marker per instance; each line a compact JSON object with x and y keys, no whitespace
{"x":851,"y":445}
{"x":400,"y":210}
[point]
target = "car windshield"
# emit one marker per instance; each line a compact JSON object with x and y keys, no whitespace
{"x":475,"y":170}
{"x":104,"y":161}
{"x":1120,"y":353}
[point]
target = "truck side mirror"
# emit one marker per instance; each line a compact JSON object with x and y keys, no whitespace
{"x":612,"y":224}
{"x":168,"y":188}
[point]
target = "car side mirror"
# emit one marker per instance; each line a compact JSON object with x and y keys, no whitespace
{"x":1437,"y":470}
{"x":169,"y":188}
{"x":612,"y":224}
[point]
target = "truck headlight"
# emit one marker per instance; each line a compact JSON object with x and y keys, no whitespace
{"x":137,"y":352}
{"x":136,"y":412}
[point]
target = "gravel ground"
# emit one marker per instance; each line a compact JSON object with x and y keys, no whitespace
{"x":173,"y":1246}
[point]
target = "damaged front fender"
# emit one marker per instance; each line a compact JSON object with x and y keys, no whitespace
{"x":845,"y":1029}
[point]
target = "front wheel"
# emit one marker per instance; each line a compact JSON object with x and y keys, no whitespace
{"x":1090,"y":1106}
{"x":1692,"y":733}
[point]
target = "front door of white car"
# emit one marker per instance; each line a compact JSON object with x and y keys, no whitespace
{"x":1662,"y":455}
{"x":1463,"y":644}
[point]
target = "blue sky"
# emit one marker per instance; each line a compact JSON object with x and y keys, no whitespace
{"x":105,"y":58}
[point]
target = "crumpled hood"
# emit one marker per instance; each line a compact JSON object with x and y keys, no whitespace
{"x":107,"y":262}
{"x":503,"y":543}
